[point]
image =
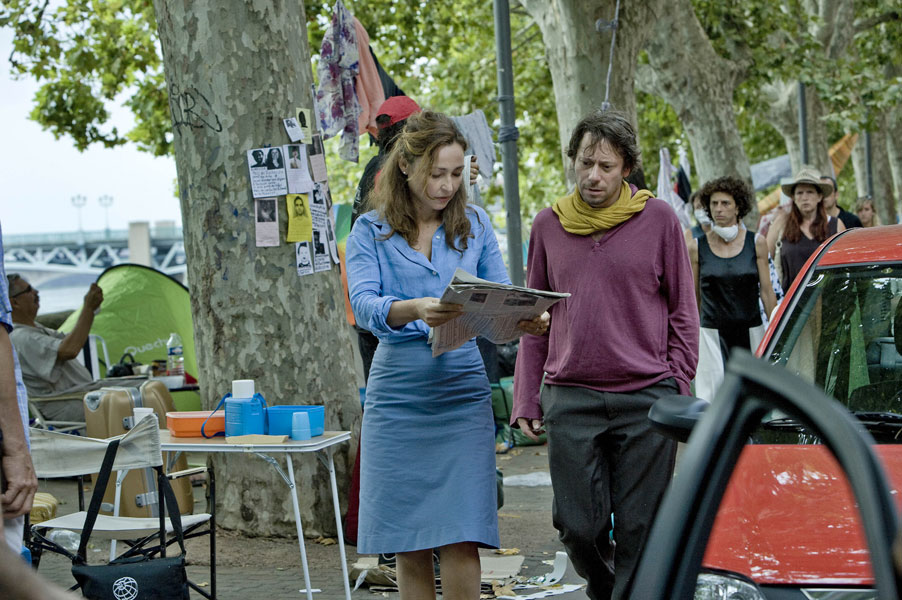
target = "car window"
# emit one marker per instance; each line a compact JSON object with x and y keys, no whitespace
{"x":841,"y":336}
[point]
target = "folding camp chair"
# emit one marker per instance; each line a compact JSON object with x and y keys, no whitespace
{"x":94,"y":345}
{"x":39,"y":421}
{"x":61,"y":455}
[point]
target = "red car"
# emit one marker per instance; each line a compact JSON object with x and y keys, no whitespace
{"x":787,"y":526}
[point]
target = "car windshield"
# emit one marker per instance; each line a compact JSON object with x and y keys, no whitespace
{"x":845,"y":336}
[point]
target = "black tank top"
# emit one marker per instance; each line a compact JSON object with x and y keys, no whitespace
{"x":793,"y":255}
{"x":729,"y":286}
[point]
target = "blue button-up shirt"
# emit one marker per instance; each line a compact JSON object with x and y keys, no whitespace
{"x":6,"y":321}
{"x":381,"y":272}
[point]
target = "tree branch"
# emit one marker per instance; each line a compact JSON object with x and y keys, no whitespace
{"x":864,"y":24}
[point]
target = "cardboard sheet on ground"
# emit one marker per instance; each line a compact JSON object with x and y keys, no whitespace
{"x":545,"y":593}
{"x":494,"y":568}
{"x":300,"y":219}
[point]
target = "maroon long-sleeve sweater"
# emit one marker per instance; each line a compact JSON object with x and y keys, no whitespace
{"x":631,"y":319}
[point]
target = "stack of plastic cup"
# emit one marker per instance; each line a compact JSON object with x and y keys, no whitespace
{"x":300,"y":426}
{"x":140,"y":412}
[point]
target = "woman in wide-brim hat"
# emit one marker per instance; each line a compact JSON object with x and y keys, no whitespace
{"x":798,"y":234}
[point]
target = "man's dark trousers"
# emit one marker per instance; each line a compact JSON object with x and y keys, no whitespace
{"x":605,"y":458}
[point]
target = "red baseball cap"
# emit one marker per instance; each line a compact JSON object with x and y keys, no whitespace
{"x":397,"y":108}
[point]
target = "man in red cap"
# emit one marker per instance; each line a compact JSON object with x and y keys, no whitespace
{"x":390,"y":121}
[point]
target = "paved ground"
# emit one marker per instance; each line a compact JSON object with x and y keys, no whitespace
{"x":525,"y":523}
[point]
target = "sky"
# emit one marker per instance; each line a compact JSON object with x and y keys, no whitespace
{"x":40,"y":174}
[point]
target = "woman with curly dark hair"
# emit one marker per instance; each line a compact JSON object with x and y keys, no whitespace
{"x":731,"y":272}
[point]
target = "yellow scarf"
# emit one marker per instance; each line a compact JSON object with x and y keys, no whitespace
{"x":579,"y":218}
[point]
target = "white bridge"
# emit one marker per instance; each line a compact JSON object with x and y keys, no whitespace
{"x":49,"y":256}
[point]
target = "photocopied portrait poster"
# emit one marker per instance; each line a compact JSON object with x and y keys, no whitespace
{"x":267,"y":222}
{"x":267,"y":171}
{"x":293,"y":130}
{"x":317,"y":158}
{"x":304,"y":262}
{"x":299,"y":180}
{"x":321,"y":260}
{"x":303,"y":115}
{"x":300,"y":221}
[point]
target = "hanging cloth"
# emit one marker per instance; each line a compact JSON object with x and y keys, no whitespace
{"x":388,"y":84}
{"x":336,"y":100}
{"x":370,"y":94}
{"x":665,"y":190}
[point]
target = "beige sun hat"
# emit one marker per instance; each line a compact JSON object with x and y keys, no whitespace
{"x":811,"y":176}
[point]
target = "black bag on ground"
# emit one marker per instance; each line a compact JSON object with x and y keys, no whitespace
{"x":136,"y":577}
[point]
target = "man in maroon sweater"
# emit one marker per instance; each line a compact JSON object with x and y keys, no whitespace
{"x":626,"y":336}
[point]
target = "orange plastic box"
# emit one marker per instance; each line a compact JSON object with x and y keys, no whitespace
{"x":188,"y":423}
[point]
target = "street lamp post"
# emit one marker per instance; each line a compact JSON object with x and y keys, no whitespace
{"x":78,"y":202}
{"x":106,"y":201}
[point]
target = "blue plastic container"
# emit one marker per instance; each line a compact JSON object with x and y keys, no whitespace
{"x":245,"y":416}
{"x":278,"y":419}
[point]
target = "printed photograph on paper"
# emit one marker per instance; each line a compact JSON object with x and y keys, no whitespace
{"x":321,"y":260}
{"x":299,"y":180}
{"x":317,"y":158}
{"x":303,"y":115}
{"x":293,"y":129}
{"x":267,"y":226}
{"x":267,"y":172}
{"x":300,"y":220}
{"x":304,"y":262}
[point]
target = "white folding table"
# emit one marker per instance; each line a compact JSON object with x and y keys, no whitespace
{"x":321,"y":445}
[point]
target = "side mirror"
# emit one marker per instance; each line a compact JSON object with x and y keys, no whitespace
{"x":675,"y":416}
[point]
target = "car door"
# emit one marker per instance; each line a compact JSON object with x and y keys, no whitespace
{"x":671,"y":560}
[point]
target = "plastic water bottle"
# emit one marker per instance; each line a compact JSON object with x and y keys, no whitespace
{"x":175,"y":359}
{"x":65,"y":538}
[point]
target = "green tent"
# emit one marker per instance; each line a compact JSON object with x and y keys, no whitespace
{"x":141,"y":307}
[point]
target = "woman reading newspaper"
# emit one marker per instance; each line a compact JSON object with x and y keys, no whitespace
{"x":427,"y":463}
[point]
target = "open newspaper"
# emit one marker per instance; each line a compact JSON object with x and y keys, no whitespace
{"x":491,"y":310}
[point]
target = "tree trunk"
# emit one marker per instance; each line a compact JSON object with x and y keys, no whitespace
{"x":884,"y":200}
{"x":784,"y":116}
{"x":687,"y":73}
{"x":893,"y":131}
{"x":835,"y":35}
{"x":578,"y":56}
{"x":234,"y":69}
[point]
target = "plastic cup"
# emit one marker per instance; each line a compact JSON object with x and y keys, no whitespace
{"x":300,"y":426}
{"x":141,"y":412}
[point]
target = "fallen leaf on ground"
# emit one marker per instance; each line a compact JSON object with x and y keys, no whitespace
{"x":507,"y":551}
{"x":325,"y":541}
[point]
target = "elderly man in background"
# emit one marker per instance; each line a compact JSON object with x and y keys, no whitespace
{"x":48,"y":356}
